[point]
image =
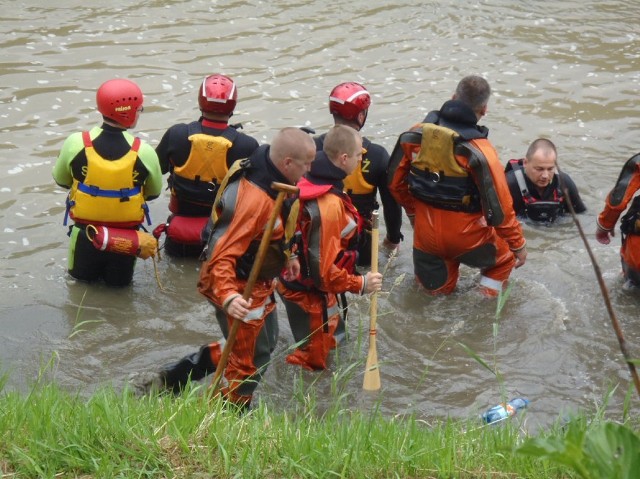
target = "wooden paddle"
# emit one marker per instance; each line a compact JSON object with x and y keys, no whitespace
{"x":283,"y":190}
{"x":372,"y":371}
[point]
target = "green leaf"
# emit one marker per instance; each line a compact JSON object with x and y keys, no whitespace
{"x":478,"y":359}
{"x":502,"y":300}
{"x":613,"y":451}
{"x":606,"y":451}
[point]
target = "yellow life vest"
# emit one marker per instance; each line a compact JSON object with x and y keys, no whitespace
{"x":436,"y":154}
{"x":355,"y":183}
{"x":207,"y":160}
{"x":108,"y":194}
{"x":436,"y":177}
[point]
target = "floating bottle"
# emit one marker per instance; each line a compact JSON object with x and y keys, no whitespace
{"x":503,"y":411}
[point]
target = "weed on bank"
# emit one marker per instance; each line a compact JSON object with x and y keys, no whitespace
{"x":51,"y":433}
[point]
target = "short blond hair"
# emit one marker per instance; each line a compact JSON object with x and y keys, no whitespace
{"x":340,"y":139}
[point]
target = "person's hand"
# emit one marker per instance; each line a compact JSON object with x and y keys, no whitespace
{"x":604,"y":236}
{"x":292,"y":269}
{"x":521,"y":256}
{"x":390,"y":246}
{"x":238,"y":307}
{"x":373,"y":282}
{"x":412,"y":219}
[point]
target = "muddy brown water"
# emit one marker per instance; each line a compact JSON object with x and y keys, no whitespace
{"x":565,"y":70}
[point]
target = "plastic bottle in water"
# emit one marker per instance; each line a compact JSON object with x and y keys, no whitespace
{"x":503,"y":411}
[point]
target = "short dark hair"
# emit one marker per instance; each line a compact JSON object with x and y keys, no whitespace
{"x":474,"y":91}
{"x":543,"y":144}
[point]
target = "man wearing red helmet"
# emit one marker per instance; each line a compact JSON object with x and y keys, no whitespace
{"x":111,"y":175}
{"x":197,"y":156}
{"x":349,"y":104}
{"x":446,"y":174}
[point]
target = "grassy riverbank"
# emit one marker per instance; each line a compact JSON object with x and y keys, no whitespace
{"x":51,"y":433}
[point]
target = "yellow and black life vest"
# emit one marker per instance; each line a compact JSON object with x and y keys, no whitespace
{"x":108,"y":194}
{"x":436,"y":177}
{"x":198,"y":178}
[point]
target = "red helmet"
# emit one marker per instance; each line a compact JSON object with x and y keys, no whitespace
{"x":119,"y":100}
{"x":218,"y":94}
{"x":348,"y":100}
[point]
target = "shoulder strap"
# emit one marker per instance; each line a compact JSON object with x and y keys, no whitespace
{"x":86,"y":139}
{"x":236,"y":170}
{"x":135,"y":146}
{"x":629,"y":170}
{"x":522,"y":184}
{"x":407,"y":140}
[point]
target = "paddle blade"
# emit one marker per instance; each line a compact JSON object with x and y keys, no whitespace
{"x":372,"y":370}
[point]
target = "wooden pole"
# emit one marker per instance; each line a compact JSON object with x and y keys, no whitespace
{"x":372,"y":370}
{"x":283,"y":190}
{"x":603,"y":289}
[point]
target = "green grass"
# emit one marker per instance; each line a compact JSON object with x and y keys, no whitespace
{"x":51,"y":433}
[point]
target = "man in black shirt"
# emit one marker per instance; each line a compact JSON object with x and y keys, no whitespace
{"x":197,"y":156}
{"x":349,"y":104}
{"x":537,"y":188}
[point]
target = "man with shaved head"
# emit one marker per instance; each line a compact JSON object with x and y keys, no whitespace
{"x":536,"y":186}
{"x":241,"y":211}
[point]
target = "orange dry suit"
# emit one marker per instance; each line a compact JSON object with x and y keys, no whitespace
{"x":623,"y":192}
{"x":107,"y":195}
{"x":446,"y":173}
{"x":328,"y":224}
{"x":363,"y":186}
{"x":241,"y":211}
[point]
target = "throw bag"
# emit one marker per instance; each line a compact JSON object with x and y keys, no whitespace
{"x":123,"y":241}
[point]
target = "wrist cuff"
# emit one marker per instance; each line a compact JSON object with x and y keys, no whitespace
{"x":608,"y":230}
{"x":226,"y":304}
{"x":519,"y":249}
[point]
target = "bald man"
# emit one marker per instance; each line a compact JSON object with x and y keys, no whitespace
{"x":244,"y":207}
{"x":536,"y":186}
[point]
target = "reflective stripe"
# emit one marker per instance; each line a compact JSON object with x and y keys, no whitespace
{"x":257,"y":313}
{"x":350,"y":99}
{"x":348,"y":229}
{"x":333,"y":310}
{"x":105,"y":239}
{"x":491,"y":283}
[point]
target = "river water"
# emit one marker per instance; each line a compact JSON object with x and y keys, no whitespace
{"x":565,"y":70}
